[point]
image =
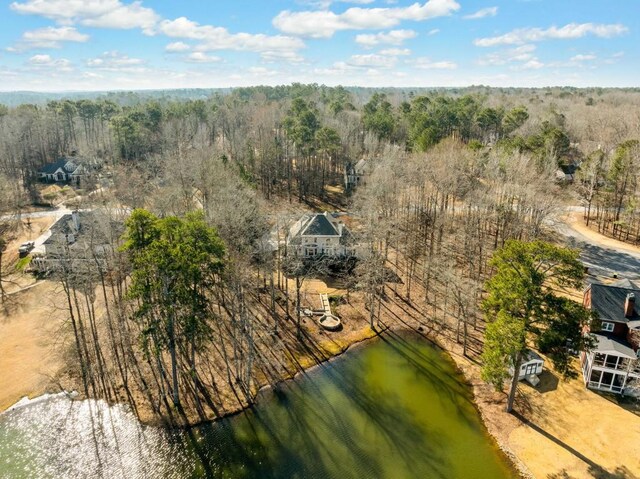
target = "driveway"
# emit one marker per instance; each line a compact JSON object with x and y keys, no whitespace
{"x":57,"y":213}
{"x":598,"y":253}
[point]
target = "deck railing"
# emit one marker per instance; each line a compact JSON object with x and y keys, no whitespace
{"x":604,"y":387}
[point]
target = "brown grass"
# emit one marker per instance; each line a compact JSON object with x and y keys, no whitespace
{"x":30,"y":325}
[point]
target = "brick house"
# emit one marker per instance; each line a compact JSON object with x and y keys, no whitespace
{"x":613,"y":365}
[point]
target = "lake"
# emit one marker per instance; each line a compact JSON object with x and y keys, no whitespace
{"x":396,"y":408}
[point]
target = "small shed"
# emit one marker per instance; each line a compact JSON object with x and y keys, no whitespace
{"x":532,"y":365}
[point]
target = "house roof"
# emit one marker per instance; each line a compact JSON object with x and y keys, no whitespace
{"x":608,"y":300}
{"x":319,"y":225}
{"x":569,"y":169}
{"x":611,"y":345}
{"x":68,"y":165}
{"x":93,"y":226}
{"x":625,"y":283}
{"x":531,"y":355}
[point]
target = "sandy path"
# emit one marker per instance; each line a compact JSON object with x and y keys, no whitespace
{"x":28,"y":335}
{"x":576,"y":223}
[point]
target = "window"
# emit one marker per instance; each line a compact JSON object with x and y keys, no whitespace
{"x":607,"y":326}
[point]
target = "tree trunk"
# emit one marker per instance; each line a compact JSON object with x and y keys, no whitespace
{"x":514,"y":382}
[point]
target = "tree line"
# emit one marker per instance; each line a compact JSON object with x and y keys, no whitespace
{"x":187,"y":305}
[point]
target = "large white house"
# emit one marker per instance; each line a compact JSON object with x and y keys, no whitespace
{"x":613,"y":365}
{"x":320,"y":234}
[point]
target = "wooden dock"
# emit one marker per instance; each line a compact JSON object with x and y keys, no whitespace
{"x":324,"y":302}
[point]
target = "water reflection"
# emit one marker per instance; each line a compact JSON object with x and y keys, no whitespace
{"x":394,"y":409}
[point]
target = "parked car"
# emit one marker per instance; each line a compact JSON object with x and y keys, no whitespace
{"x":25,"y":248}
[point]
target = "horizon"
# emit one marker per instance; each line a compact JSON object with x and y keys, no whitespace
{"x":64,"y":46}
{"x":373,"y":88}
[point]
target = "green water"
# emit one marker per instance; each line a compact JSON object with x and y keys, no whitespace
{"x":393,"y":409}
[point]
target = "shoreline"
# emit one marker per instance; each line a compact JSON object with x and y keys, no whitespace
{"x":377,"y":335}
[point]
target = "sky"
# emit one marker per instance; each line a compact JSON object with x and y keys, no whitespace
{"x":79,"y":45}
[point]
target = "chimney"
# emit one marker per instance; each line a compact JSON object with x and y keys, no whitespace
{"x":629,"y":305}
{"x":76,"y":220}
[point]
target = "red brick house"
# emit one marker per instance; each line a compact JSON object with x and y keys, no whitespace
{"x":613,"y":365}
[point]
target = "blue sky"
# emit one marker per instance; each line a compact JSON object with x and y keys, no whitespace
{"x":51,"y":45}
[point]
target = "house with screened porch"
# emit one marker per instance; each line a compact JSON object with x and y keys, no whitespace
{"x":613,"y":365}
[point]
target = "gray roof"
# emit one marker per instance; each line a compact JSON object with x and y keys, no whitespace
{"x":51,"y":168}
{"x":611,"y":344}
{"x":625,"y":283}
{"x":94,"y":226}
{"x":64,"y":226}
{"x":608,"y":300}
{"x":319,"y":225}
{"x":531,"y":355}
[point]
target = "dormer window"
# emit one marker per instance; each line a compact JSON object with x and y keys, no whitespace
{"x":607,"y":326}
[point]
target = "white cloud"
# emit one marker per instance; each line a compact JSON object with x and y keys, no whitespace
{"x":40,"y":59}
{"x":126,"y":17}
{"x":337,"y":69}
{"x":327,"y":3}
{"x":571,"y":30}
{"x":176,"y":47}
{"x":425,"y":63}
{"x":396,"y":52}
{"x":92,"y":75}
{"x":433,"y":31}
{"x":582,"y":58}
{"x":48,"y":37}
{"x":45,"y":62}
{"x":201,"y":57}
{"x":522,"y":53}
{"x":533,"y":64}
{"x":115,"y":61}
{"x":482,"y":13}
{"x":324,"y":23}
{"x":262,"y":71}
{"x":615,"y":58}
{"x":219,"y":38}
{"x":372,"y":60}
{"x":5,"y":72}
{"x":56,"y":35}
{"x":281,"y":56}
{"x":92,"y":13}
{"x":576,"y":61}
{"x":393,"y":37}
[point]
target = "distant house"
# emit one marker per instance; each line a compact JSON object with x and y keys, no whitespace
{"x":77,"y":240}
{"x":320,"y":234}
{"x":613,"y":364}
{"x":355,"y":175}
{"x":64,"y":170}
{"x":566,"y":173}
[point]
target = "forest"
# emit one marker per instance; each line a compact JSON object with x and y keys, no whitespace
{"x":453,"y":176}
